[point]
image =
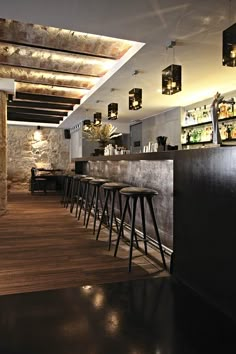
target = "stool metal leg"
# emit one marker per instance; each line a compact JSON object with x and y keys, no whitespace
{"x":78,"y":199}
{"x":120,"y":205}
{"x":111,"y":219}
{"x":132,"y":232}
{"x":91,"y":206}
{"x":82,"y":200}
{"x":73,"y":194}
{"x":86,"y":202}
{"x":97,"y":197}
{"x":69,"y":193}
{"x":121,"y":225}
{"x":143,"y":223}
{"x":103,"y":214}
{"x":149,"y":200}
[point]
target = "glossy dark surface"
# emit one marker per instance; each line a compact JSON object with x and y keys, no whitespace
{"x":153,"y":316}
{"x":204,"y":219}
{"x":205,"y":224}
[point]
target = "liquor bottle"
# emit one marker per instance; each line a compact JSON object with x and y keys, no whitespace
{"x":205,"y":114}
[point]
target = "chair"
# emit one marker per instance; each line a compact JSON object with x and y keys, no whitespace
{"x":37,"y":183}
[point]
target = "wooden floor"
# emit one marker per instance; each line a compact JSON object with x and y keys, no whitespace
{"x":43,"y":246}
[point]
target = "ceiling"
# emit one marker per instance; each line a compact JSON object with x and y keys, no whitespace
{"x":53,"y":68}
{"x":195,"y":25}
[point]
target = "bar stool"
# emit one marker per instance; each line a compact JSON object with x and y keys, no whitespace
{"x":96,"y":183}
{"x":134,"y":193}
{"x":85,"y":195}
{"x":111,"y":189}
{"x":75,"y":190}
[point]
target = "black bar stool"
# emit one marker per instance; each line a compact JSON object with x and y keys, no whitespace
{"x":134,"y":193}
{"x":75,"y":191}
{"x":85,"y":196}
{"x":96,"y":198}
{"x":111,"y":189}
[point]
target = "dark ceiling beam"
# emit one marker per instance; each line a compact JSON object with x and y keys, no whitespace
{"x":46,"y":90}
{"x":43,"y":105}
{"x":50,"y":85}
{"x":35,"y":111}
{"x":46,"y":98}
{"x":31,"y":118}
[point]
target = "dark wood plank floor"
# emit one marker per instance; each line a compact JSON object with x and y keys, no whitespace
{"x":43,"y":246}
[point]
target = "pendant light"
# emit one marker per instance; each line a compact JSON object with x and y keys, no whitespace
{"x":229,"y":46}
{"x":86,"y":122}
{"x":135,"y":96}
{"x":97,"y":119}
{"x":172,"y":76}
{"x":112,"y":109}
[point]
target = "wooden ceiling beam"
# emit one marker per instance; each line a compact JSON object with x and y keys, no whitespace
{"x":64,"y":51}
{"x":62,"y":39}
{"x":17,"y":55}
{"x":53,"y":71}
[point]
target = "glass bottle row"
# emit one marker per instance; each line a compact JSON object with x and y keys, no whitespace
{"x":203,"y":114}
{"x":204,"y":134}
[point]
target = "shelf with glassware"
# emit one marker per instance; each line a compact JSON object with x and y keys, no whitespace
{"x":197,"y":126}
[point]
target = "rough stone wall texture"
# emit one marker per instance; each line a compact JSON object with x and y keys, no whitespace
{"x":3,"y":153}
{"x":29,"y":147}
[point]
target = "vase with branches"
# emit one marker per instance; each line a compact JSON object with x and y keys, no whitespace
{"x":103,"y":134}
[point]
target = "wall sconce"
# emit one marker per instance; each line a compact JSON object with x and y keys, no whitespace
{"x":229,"y":46}
{"x":86,"y":124}
{"x":97,"y":119}
{"x":38,"y":134}
{"x":112,"y":111}
{"x":10,"y":98}
{"x":135,"y":99}
{"x":171,"y":80}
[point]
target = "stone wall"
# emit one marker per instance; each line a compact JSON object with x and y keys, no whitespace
{"x":3,"y":153}
{"x":29,"y":147}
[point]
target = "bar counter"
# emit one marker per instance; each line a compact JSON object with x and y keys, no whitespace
{"x":196,"y":209}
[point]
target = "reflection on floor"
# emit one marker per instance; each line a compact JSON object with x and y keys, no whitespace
{"x":145,"y":316}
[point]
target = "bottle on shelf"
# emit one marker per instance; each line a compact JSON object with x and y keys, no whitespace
{"x":205,"y":114}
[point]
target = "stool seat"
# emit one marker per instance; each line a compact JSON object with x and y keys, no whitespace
{"x":136,"y":191}
{"x":114,"y":185}
{"x":86,"y":179}
{"x":98,"y":182}
{"x":79,"y":176}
